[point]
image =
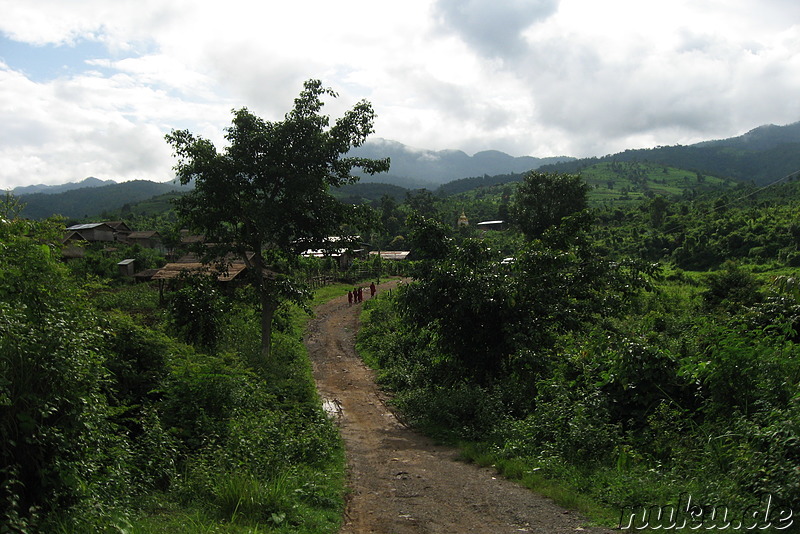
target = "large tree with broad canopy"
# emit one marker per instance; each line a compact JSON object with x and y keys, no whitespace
{"x":268,"y":191}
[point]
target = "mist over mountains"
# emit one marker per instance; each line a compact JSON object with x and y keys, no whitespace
{"x":412,"y":167}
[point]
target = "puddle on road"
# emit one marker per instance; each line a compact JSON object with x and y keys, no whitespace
{"x":332,"y":407}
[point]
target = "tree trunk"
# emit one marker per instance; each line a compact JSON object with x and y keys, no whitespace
{"x":268,"y":307}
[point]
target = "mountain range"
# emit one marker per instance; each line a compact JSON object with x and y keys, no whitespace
{"x":763,"y":155}
{"x":53,"y":189}
{"x":411,"y":169}
{"x":417,"y":168}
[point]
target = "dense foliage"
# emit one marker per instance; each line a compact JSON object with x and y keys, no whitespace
{"x":637,"y":349}
{"x":119,"y":414}
{"x":93,"y":201}
{"x":746,"y":224}
{"x":543,"y":200}
{"x":581,"y":359}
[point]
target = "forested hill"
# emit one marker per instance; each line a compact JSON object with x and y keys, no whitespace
{"x":761,"y":156}
{"x":91,"y":201}
{"x":364,"y":191}
{"x":91,"y":181}
{"x":612,"y":184}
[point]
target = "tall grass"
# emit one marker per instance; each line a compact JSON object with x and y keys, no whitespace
{"x":244,"y":498}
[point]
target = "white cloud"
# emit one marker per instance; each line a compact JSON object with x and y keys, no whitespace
{"x":538,"y":77}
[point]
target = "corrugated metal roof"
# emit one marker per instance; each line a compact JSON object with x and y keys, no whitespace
{"x":333,"y":253}
{"x":87,"y":226}
{"x":391,"y":254}
{"x":119,"y":226}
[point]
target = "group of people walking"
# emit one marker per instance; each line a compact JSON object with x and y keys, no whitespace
{"x":357,"y":294}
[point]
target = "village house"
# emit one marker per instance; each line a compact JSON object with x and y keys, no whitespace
{"x":79,"y":235}
{"x":147,"y":239}
{"x":231,"y":275}
{"x":93,"y":232}
{"x":127,"y":267}
{"x":491,"y":225}
{"x":391,"y":255}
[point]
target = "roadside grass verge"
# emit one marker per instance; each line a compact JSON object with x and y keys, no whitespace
{"x":529,"y":473}
{"x":259,"y":455}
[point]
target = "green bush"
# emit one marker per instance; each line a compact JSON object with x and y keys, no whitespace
{"x":201,"y":397}
{"x":59,"y":451}
{"x":137,"y":359}
{"x":460,"y":412}
{"x":197,"y":310}
{"x":731,"y":288}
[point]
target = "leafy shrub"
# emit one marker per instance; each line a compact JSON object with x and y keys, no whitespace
{"x":737,"y":371}
{"x":793,"y":259}
{"x":197,"y":310}
{"x":767,"y":462}
{"x":731,"y":288}
{"x":132,"y":299}
{"x":572,"y":423}
{"x":269,"y":441}
{"x":155,"y":453}
{"x":462,"y":411}
{"x":56,"y":438}
{"x":201,"y":397}
{"x":137,"y":360}
{"x":636,"y":377}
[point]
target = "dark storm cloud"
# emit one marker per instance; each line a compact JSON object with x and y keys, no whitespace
{"x":492,"y":28}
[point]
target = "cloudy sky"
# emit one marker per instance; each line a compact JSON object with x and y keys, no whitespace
{"x":90,"y":87}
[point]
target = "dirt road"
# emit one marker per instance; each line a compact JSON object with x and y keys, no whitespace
{"x":400,"y":481}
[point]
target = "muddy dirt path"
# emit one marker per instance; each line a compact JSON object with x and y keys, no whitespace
{"x":400,"y":481}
